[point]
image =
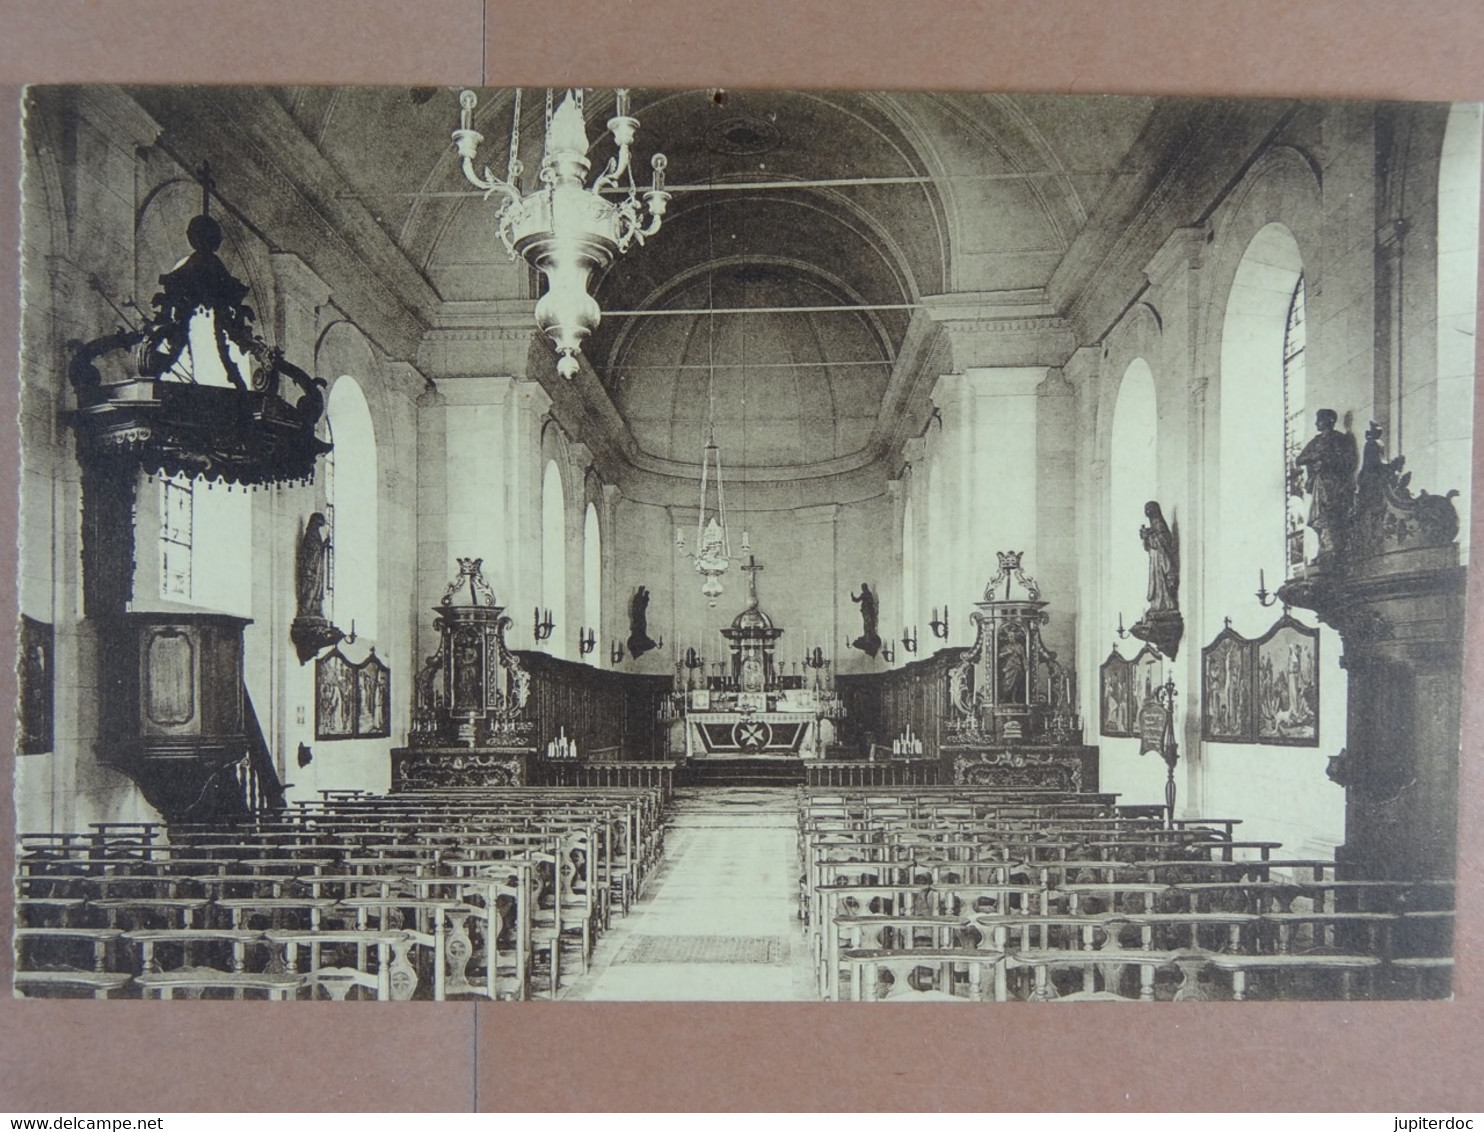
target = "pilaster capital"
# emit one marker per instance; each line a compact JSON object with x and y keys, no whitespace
{"x":294,"y":279}
{"x":530,"y":397}
{"x":406,"y":378}
{"x":1001,"y":328}
{"x":1005,"y":381}
{"x":471,"y":338}
{"x":1083,"y":365}
{"x":117,"y":116}
{"x":1055,"y":384}
{"x":579,"y":454}
{"x":948,"y":391}
{"x":1182,"y":250}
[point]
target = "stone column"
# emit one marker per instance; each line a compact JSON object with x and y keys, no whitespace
{"x":434,"y":555}
{"x":1174,"y":291}
{"x":1082,"y":372}
{"x":523,"y":474}
{"x":284,"y":700}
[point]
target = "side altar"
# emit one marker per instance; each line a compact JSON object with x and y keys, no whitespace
{"x":1011,"y":717}
{"x":469,"y":725}
{"x":746,"y":706}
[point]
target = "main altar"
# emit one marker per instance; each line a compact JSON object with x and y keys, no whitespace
{"x":746,"y":706}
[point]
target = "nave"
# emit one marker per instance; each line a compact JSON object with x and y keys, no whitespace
{"x":720,"y":919}
{"x":753,"y":894}
{"x":1035,"y":491}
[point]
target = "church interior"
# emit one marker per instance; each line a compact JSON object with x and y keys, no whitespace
{"x":700,"y":544}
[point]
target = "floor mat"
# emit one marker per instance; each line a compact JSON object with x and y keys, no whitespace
{"x":702,"y":949}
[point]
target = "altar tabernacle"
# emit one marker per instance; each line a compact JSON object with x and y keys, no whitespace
{"x":749,"y":707}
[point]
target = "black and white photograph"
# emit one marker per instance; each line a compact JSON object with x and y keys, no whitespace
{"x":681,"y":545}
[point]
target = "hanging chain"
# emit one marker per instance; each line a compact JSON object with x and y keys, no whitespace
{"x":514,"y":169}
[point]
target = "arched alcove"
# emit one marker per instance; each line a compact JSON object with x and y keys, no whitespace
{"x":554,"y":558}
{"x":351,"y":508}
{"x":934,"y":579}
{"x":909,"y":565}
{"x":1264,"y":420}
{"x":1458,"y":266}
{"x":1252,"y":487}
{"x":1132,"y":482}
{"x":592,"y":581}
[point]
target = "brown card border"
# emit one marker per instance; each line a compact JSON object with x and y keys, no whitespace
{"x":83,"y":1057}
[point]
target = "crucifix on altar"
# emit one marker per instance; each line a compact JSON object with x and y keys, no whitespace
{"x":752,"y":637}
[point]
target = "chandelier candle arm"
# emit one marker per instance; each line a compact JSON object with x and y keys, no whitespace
{"x":467,"y":140}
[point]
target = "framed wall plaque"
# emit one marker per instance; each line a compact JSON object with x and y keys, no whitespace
{"x":34,"y":674}
{"x":1116,"y":705}
{"x":1226,"y":689}
{"x":1286,"y":671}
{"x":1264,"y":691}
{"x":351,"y":701}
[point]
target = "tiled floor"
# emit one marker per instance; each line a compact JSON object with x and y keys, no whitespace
{"x":728,"y":887}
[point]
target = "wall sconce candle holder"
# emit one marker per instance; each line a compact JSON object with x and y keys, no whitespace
{"x":587,"y":640}
{"x":939,"y":625}
{"x":1264,"y":597}
{"x":542,"y":624}
{"x":909,"y":639}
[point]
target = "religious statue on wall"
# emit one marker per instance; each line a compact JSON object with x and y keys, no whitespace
{"x":869,"y":642}
{"x":311,"y":631}
{"x":309,"y":568}
{"x":639,"y":642}
{"x":1162,"y":625}
{"x":1164,"y":560}
{"x":1329,"y":462}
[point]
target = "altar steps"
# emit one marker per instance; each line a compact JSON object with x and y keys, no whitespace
{"x":763,"y":771}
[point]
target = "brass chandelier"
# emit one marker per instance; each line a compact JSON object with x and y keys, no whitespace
{"x":566,"y":228}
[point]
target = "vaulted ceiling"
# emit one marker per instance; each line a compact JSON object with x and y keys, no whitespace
{"x":787,"y":206}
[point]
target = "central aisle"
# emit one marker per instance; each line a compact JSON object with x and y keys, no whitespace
{"x":719,"y":920}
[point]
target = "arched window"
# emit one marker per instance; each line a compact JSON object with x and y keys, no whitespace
{"x":205,"y":534}
{"x":350,"y":478}
{"x":554,"y":558}
{"x":1263,"y":412}
{"x":909,"y":566}
{"x":592,"y":580}
{"x":934,"y":581}
{"x":1132,"y":482}
{"x":1458,"y":265}
{"x":1293,"y":427}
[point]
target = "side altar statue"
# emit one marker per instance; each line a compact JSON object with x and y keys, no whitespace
{"x":747,"y":706}
{"x":1012,"y":717}
{"x":469,"y":724}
